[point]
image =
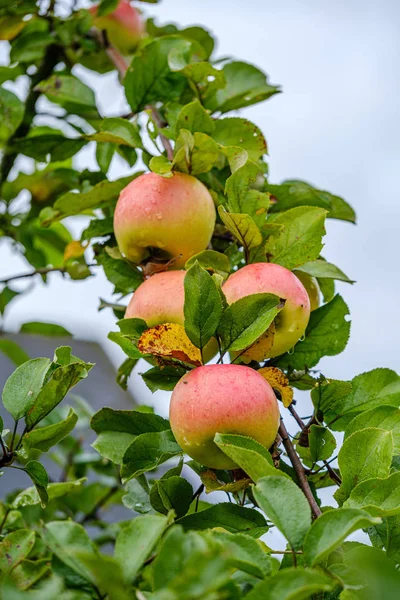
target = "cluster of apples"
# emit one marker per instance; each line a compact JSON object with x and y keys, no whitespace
{"x":177,"y":217}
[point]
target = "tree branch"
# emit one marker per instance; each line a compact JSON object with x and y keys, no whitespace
{"x":298,"y":467}
{"x":41,"y":271}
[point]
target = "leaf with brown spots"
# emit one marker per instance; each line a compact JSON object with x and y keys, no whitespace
{"x":278,"y":380}
{"x":169,"y":343}
{"x":212,"y":484}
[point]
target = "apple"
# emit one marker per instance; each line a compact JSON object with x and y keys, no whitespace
{"x":312,"y":287}
{"x":175,"y":215}
{"x":292,"y":320}
{"x":123,"y":26}
{"x":160,"y":299}
{"x":222,"y":399}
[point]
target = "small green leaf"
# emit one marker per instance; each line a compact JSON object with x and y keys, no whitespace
{"x":48,"y":329}
{"x":245,"y":553}
{"x":292,"y":584}
{"x":136,"y":540}
{"x":195,"y":118}
{"x":322,"y":443}
{"x":137,"y":495}
{"x":117,"y":131}
{"x":24,"y":385}
{"x":40,"y":146}
{"x":6,"y":296}
{"x":251,"y":456}
{"x":243,"y":227}
{"x":211,"y":261}
{"x":246,"y":319}
{"x":148,"y":451}
{"x":366,"y":454}
{"x":11,"y":114}
{"x":98,"y":228}
{"x":232,"y":517}
{"x":71,"y":93}
{"x":327,"y":334}
{"x":286,"y":506}
{"x":245,"y":85}
{"x":195,"y":154}
{"x":162,"y":379}
{"x":14,"y":548}
{"x":173,"y":493}
{"x":125,"y":277}
{"x":30,"y":496}
{"x":134,"y":422}
{"x":202,"y":307}
{"x":321,"y":268}
{"x":235,"y":131}
{"x":46,"y":437}
{"x":38,"y":474}
{"x":380,"y":497}
{"x":300,"y":239}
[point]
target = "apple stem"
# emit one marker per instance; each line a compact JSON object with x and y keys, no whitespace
{"x":298,"y":467}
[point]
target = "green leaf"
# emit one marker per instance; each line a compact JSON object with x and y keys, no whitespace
{"x":13,"y":351}
{"x":104,"y":155}
{"x":380,"y":497}
{"x":243,"y":227}
{"x":202,"y":307}
{"x":245,"y":85}
{"x":40,"y":146}
{"x":164,"y":378}
{"x":117,"y":131}
{"x":46,"y":437}
{"x":64,"y":538}
{"x":321,"y":268}
{"x":14,"y":548}
{"x":287,"y":507}
{"x":71,"y":93}
{"x":292,"y":584}
{"x":382,"y":417}
{"x":242,"y":198}
{"x":292,"y":193}
{"x":367,"y":391}
{"x":245,"y":553}
{"x":322,"y":443}
{"x":246,"y":319}
{"x":194,"y":118}
{"x":6,"y":296}
{"x":125,"y":277}
{"x":136,"y":540}
{"x":30,"y":47}
{"x":11,"y":114}
{"x":331,"y":529}
{"x":149,"y":77}
{"x":24,"y":385}
{"x":98,"y":228}
{"x":235,"y":131}
{"x":73,"y":203}
{"x":211,"y":261}
{"x":29,"y":572}
{"x":40,"y":328}
{"x":364,"y":455}
{"x":112,"y":445}
{"x":251,"y":456}
{"x":61,"y":380}
{"x":148,"y":451}
{"x":300,"y":238}
{"x":30,"y":496}
{"x":232,"y":517}
{"x":38,"y":474}
{"x":204,"y":79}
{"x":327,"y":334}
{"x":174,"y":493}
{"x":137,"y":496}
{"x":195,"y":154}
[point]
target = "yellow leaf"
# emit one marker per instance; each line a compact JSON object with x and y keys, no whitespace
{"x":169,"y":342}
{"x":74,"y":250}
{"x":280,"y":382}
{"x":212,"y":484}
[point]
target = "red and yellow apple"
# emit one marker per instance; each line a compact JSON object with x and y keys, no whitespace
{"x":292,"y":320}
{"x":312,"y":287}
{"x":123,"y":26}
{"x":160,"y":299}
{"x":222,"y":399}
{"x":175,"y":215}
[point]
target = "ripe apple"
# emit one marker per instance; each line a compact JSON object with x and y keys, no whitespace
{"x":222,"y":399}
{"x":160,"y":299}
{"x":175,"y":215}
{"x":312,"y":287}
{"x":123,"y":26}
{"x":292,"y":320}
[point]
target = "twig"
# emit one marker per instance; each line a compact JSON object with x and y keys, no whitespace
{"x":3,"y":445}
{"x":286,"y":552}
{"x":165,"y":141}
{"x":298,"y":467}
{"x":305,"y":430}
{"x":92,"y":514}
{"x":40,"y":271}
{"x":4,"y":519}
{"x":197,"y":494}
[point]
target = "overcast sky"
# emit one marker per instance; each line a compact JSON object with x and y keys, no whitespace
{"x":337,"y":125}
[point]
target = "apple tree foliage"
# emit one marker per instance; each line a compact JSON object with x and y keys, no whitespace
{"x":184,"y":115}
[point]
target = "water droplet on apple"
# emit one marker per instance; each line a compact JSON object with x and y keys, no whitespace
{"x":303,"y":337}
{"x":159,"y":216}
{"x":291,"y":350}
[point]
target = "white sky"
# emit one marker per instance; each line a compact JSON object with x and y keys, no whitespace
{"x":337,"y":125}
